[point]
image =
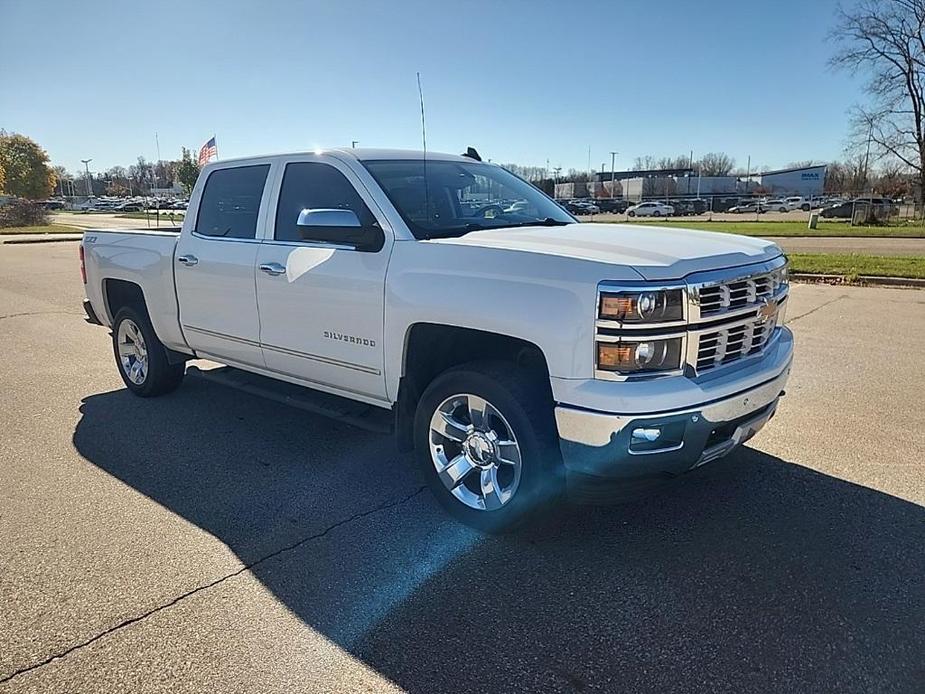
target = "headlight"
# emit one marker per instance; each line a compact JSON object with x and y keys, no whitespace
{"x":658,"y":306}
{"x":639,"y":357}
{"x":780,"y":277}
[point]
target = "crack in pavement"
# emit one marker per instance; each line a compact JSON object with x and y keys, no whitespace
{"x":40,"y":313}
{"x":813,"y":310}
{"x":138,"y":618}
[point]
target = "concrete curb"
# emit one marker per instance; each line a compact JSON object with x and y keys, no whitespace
{"x":51,"y":238}
{"x":861,"y":281}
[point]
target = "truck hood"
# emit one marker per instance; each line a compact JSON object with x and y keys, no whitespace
{"x":656,"y":253}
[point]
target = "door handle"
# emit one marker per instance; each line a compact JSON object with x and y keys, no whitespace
{"x":188,"y":260}
{"x":273,"y":269}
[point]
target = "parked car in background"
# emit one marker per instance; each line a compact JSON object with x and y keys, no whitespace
{"x":846,"y":209}
{"x":129,"y":207}
{"x":650,"y":209}
{"x":614,"y":205}
{"x":689,"y":206}
{"x":777,"y":205}
{"x":750,"y":206}
{"x":585,"y":207}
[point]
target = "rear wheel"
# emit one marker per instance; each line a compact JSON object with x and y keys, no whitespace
{"x":141,"y":357}
{"x":656,"y":214}
{"x":486,"y":443}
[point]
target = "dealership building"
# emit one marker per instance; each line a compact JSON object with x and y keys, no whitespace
{"x":637,"y":185}
{"x":806,"y":181}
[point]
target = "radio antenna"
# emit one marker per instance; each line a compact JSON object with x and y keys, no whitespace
{"x":424,"y":142}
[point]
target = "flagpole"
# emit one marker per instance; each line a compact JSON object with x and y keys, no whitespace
{"x":216,"y":146}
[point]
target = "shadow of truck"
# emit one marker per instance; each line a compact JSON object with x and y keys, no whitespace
{"x":756,"y":574}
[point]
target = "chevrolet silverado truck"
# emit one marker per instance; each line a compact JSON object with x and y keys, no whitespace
{"x":523,"y":356}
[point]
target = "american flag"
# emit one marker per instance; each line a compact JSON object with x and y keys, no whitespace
{"x":207,"y":151}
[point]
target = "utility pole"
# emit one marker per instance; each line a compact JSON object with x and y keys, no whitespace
{"x":86,"y":163}
{"x":870,"y":205}
{"x":690,"y":166}
{"x":613,"y":159}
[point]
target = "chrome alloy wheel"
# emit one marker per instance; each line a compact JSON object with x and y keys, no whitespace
{"x":133,"y":354}
{"x":475,"y":452}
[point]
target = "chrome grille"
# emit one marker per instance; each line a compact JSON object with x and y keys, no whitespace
{"x":728,"y":344}
{"x":737,"y":293}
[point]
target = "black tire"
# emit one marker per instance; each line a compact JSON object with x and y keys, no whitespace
{"x":804,"y":207}
{"x":161,"y":376}
{"x":631,"y":213}
{"x":523,"y":399}
{"x":656,"y":214}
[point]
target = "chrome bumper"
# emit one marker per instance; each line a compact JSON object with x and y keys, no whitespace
{"x":602,"y":445}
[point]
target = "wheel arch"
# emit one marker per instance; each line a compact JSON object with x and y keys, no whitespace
{"x":119,"y":294}
{"x":431,"y":348}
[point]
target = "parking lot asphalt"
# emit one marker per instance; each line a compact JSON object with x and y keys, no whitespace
{"x":210,"y":540}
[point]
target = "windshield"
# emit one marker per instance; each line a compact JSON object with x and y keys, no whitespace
{"x":460,"y":197}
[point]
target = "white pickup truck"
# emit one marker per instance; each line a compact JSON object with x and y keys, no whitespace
{"x":519,"y":353}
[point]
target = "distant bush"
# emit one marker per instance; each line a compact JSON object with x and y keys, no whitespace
{"x":22,"y":213}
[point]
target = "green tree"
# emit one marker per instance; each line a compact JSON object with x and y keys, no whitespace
{"x":26,"y":167}
{"x":187,"y":170}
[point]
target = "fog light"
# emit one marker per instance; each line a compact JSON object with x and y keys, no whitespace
{"x":657,"y":438}
{"x":646,"y":434}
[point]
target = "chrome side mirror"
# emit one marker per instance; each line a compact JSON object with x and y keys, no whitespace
{"x":345,"y":219}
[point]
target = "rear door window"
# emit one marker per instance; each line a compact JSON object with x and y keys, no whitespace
{"x":231,"y":201}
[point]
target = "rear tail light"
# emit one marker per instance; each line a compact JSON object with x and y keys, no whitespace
{"x":83,"y":267}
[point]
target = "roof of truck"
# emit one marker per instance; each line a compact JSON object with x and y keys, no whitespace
{"x":363,"y":154}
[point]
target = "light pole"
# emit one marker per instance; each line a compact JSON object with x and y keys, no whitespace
{"x":86,"y":163}
{"x":613,"y":159}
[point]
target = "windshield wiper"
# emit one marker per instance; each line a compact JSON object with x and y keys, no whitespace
{"x":548,"y":222}
{"x":450,"y":232}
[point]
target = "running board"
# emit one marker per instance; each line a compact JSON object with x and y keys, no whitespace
{"x":358,"y":414}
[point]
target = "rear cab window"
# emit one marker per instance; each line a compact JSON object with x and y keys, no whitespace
{"x":230,"y":202}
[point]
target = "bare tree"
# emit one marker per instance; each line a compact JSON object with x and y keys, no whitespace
{"x":715,"y":164}
{"x":884,"y":41}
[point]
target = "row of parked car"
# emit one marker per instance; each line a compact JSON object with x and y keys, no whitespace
{"x":830,"y":207}
{"x":137,"y":204}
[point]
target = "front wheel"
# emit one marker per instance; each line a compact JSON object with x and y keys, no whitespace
{"x":487,"y":445}
{"x":656,"y":214}
{"x":141,"y":357}
{"x":631,"y":213}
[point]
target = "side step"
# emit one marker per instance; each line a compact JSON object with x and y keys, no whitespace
{"x":358,"y":414}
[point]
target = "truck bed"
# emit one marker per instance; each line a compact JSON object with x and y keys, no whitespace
{"x":143,"y":257}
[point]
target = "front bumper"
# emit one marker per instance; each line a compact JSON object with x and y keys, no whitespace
{"x":600,"y":449}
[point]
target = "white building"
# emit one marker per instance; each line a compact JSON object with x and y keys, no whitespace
{"x":806,"y":181}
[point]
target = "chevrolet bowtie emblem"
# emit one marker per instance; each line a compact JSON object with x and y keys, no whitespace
{"x":767,"y":310}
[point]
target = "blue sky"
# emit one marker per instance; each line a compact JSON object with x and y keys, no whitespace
{"x":522,"y":80}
